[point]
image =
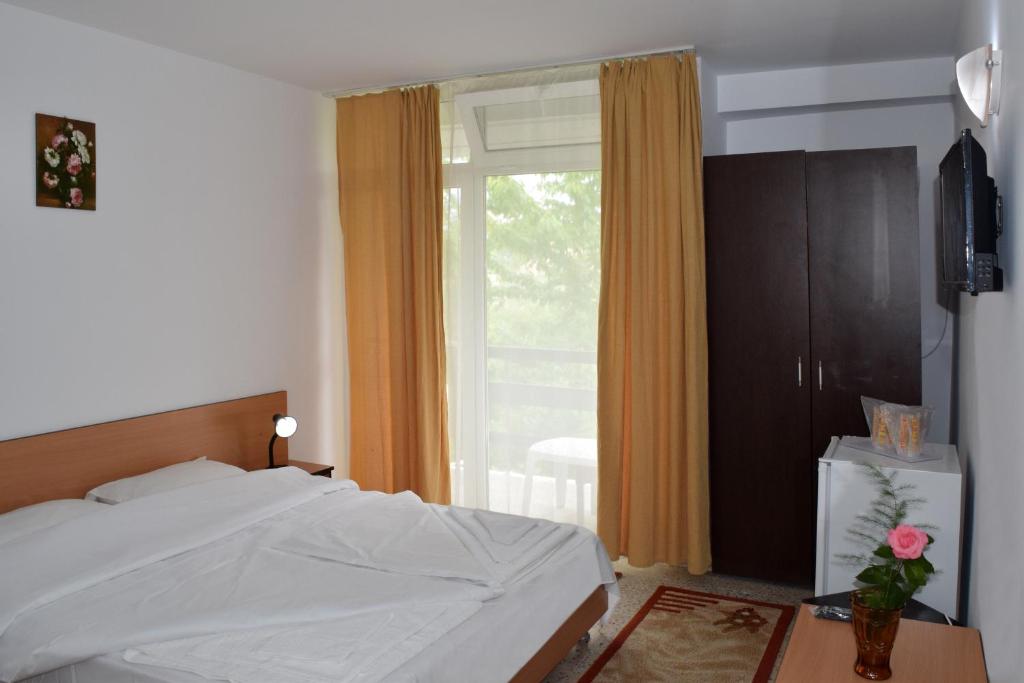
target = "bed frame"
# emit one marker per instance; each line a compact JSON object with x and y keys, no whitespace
{"x":68,"y":463}
{"x":576,"y":629}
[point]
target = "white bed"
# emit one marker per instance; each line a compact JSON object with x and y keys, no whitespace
{"x":278,"y":567}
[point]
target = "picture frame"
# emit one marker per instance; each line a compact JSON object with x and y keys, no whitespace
{"x":65,"y":163}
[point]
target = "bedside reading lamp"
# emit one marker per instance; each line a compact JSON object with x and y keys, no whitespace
{"x":284,"y":426}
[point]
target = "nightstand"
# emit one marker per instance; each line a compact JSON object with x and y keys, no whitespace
{"x":314,"y":468}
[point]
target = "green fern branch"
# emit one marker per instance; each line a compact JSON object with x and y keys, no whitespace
{"x":889,"y":581}
{"x":890,"y":508}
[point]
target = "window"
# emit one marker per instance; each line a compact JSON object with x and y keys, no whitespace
{"x":522,"y":277}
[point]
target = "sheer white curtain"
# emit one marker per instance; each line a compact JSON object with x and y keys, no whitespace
{"x":522,"y":278}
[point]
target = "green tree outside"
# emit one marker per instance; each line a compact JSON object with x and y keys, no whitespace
{"x":543,"y":282}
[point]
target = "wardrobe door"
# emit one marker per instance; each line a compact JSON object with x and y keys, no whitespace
{"x":762,"y":489}
{"x":863,"y":241}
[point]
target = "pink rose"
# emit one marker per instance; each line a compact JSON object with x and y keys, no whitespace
{"x":50,"y":180}
{"x":77,"y":198}
{"x":907,"y":542}
{"x":74,"y":164}
{"x":58,"y":140}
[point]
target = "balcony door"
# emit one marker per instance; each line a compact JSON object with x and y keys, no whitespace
{"x":522,"y":280}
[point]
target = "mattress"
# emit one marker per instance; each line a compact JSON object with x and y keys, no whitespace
{"x":491,"y":645}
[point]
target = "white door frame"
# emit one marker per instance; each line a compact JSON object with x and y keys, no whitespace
{"x":471,"y":179}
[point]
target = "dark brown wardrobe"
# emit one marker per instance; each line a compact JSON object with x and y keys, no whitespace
{"x":813,"y":300}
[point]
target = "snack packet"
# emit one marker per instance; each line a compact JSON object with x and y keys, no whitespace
{"x":880,"y":427}
{"x":896,"y":429}
{"x":912,"y":425}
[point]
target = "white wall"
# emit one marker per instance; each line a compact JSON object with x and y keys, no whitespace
{"x":210,"y":269}
{"x":865,"y":116}
{"x":841,"y":84}
{"x":990,"y":377}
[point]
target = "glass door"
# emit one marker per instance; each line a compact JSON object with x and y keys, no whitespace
{"x":521,"y":283}
{"x":543,"y":260}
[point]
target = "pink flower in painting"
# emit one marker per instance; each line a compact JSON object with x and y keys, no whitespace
{"x":77,"y":197}
{"x":74,"y":164}
{"x":58,"y":140}
{"x":51,"y":181}
{"x":907,"y":542}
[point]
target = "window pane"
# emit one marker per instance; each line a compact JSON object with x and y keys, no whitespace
{"x":540,"y":123}
{"x":454,"y":146}
{"x":543,"y":281}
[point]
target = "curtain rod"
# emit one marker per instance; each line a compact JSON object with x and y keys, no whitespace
{"x":334,"y":94}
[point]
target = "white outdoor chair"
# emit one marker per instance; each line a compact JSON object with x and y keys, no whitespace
{"x":572,"y":458}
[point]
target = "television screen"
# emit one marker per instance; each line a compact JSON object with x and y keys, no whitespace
{"x":954,"y":218}
{"x":969,"y":223}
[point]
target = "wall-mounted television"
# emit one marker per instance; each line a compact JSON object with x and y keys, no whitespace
{"x":971,"y":220}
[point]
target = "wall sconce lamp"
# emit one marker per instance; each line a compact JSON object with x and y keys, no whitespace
{"x":979,"y":74}
{"x":284,"y":426}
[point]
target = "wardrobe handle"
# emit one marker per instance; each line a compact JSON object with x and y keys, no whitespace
{"x":819,"y":376}
{"x":799,"y":371}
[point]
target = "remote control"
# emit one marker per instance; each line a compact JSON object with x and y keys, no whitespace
{"x":834,"y":613}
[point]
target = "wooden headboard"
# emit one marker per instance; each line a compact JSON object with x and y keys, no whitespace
{"x":68,"y":463}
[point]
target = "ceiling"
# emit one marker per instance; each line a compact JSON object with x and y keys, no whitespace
{"x":347,"y":44}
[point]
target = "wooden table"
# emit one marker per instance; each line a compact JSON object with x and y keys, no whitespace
{"x":821,"y":650}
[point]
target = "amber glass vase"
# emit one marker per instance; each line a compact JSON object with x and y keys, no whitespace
{"x":875,"y":632}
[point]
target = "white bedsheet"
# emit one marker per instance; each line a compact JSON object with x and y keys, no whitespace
{"x":496,"y":642}
{"x":137,"y":533}
{"x":509,"y":544}
{"x":361,"y":647}
{"x":259,"y":582}
{"x":489,"y":647}
{"x":396,"y":533}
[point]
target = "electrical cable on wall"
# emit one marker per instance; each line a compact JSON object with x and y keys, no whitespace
{"x":945,"y":323}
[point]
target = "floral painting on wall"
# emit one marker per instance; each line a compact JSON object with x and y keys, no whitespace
{"x":65,"y":163}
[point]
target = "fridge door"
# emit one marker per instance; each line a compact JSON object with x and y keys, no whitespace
{"x":845,"y":493}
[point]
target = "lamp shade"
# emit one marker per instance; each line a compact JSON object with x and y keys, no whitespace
{"x":285,"y":425}
{"x":979,"y":75}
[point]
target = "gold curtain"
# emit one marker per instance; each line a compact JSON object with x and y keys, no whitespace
{"x":652,"y":330}
{"x":389,"y":169}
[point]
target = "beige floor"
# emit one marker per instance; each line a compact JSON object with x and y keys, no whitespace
{"x":637,"y":585}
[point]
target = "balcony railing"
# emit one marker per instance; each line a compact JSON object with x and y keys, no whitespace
{"x":553,"y":496}
{"x":537,"y":395}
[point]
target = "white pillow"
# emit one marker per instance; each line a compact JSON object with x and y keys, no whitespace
{"x":33,"y":518}
{"x":164,"y":479}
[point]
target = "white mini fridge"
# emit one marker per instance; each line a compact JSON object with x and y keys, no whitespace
{"x":844,"y":491}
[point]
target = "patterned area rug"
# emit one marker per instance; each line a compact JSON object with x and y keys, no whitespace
{"x":685,"y":635}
